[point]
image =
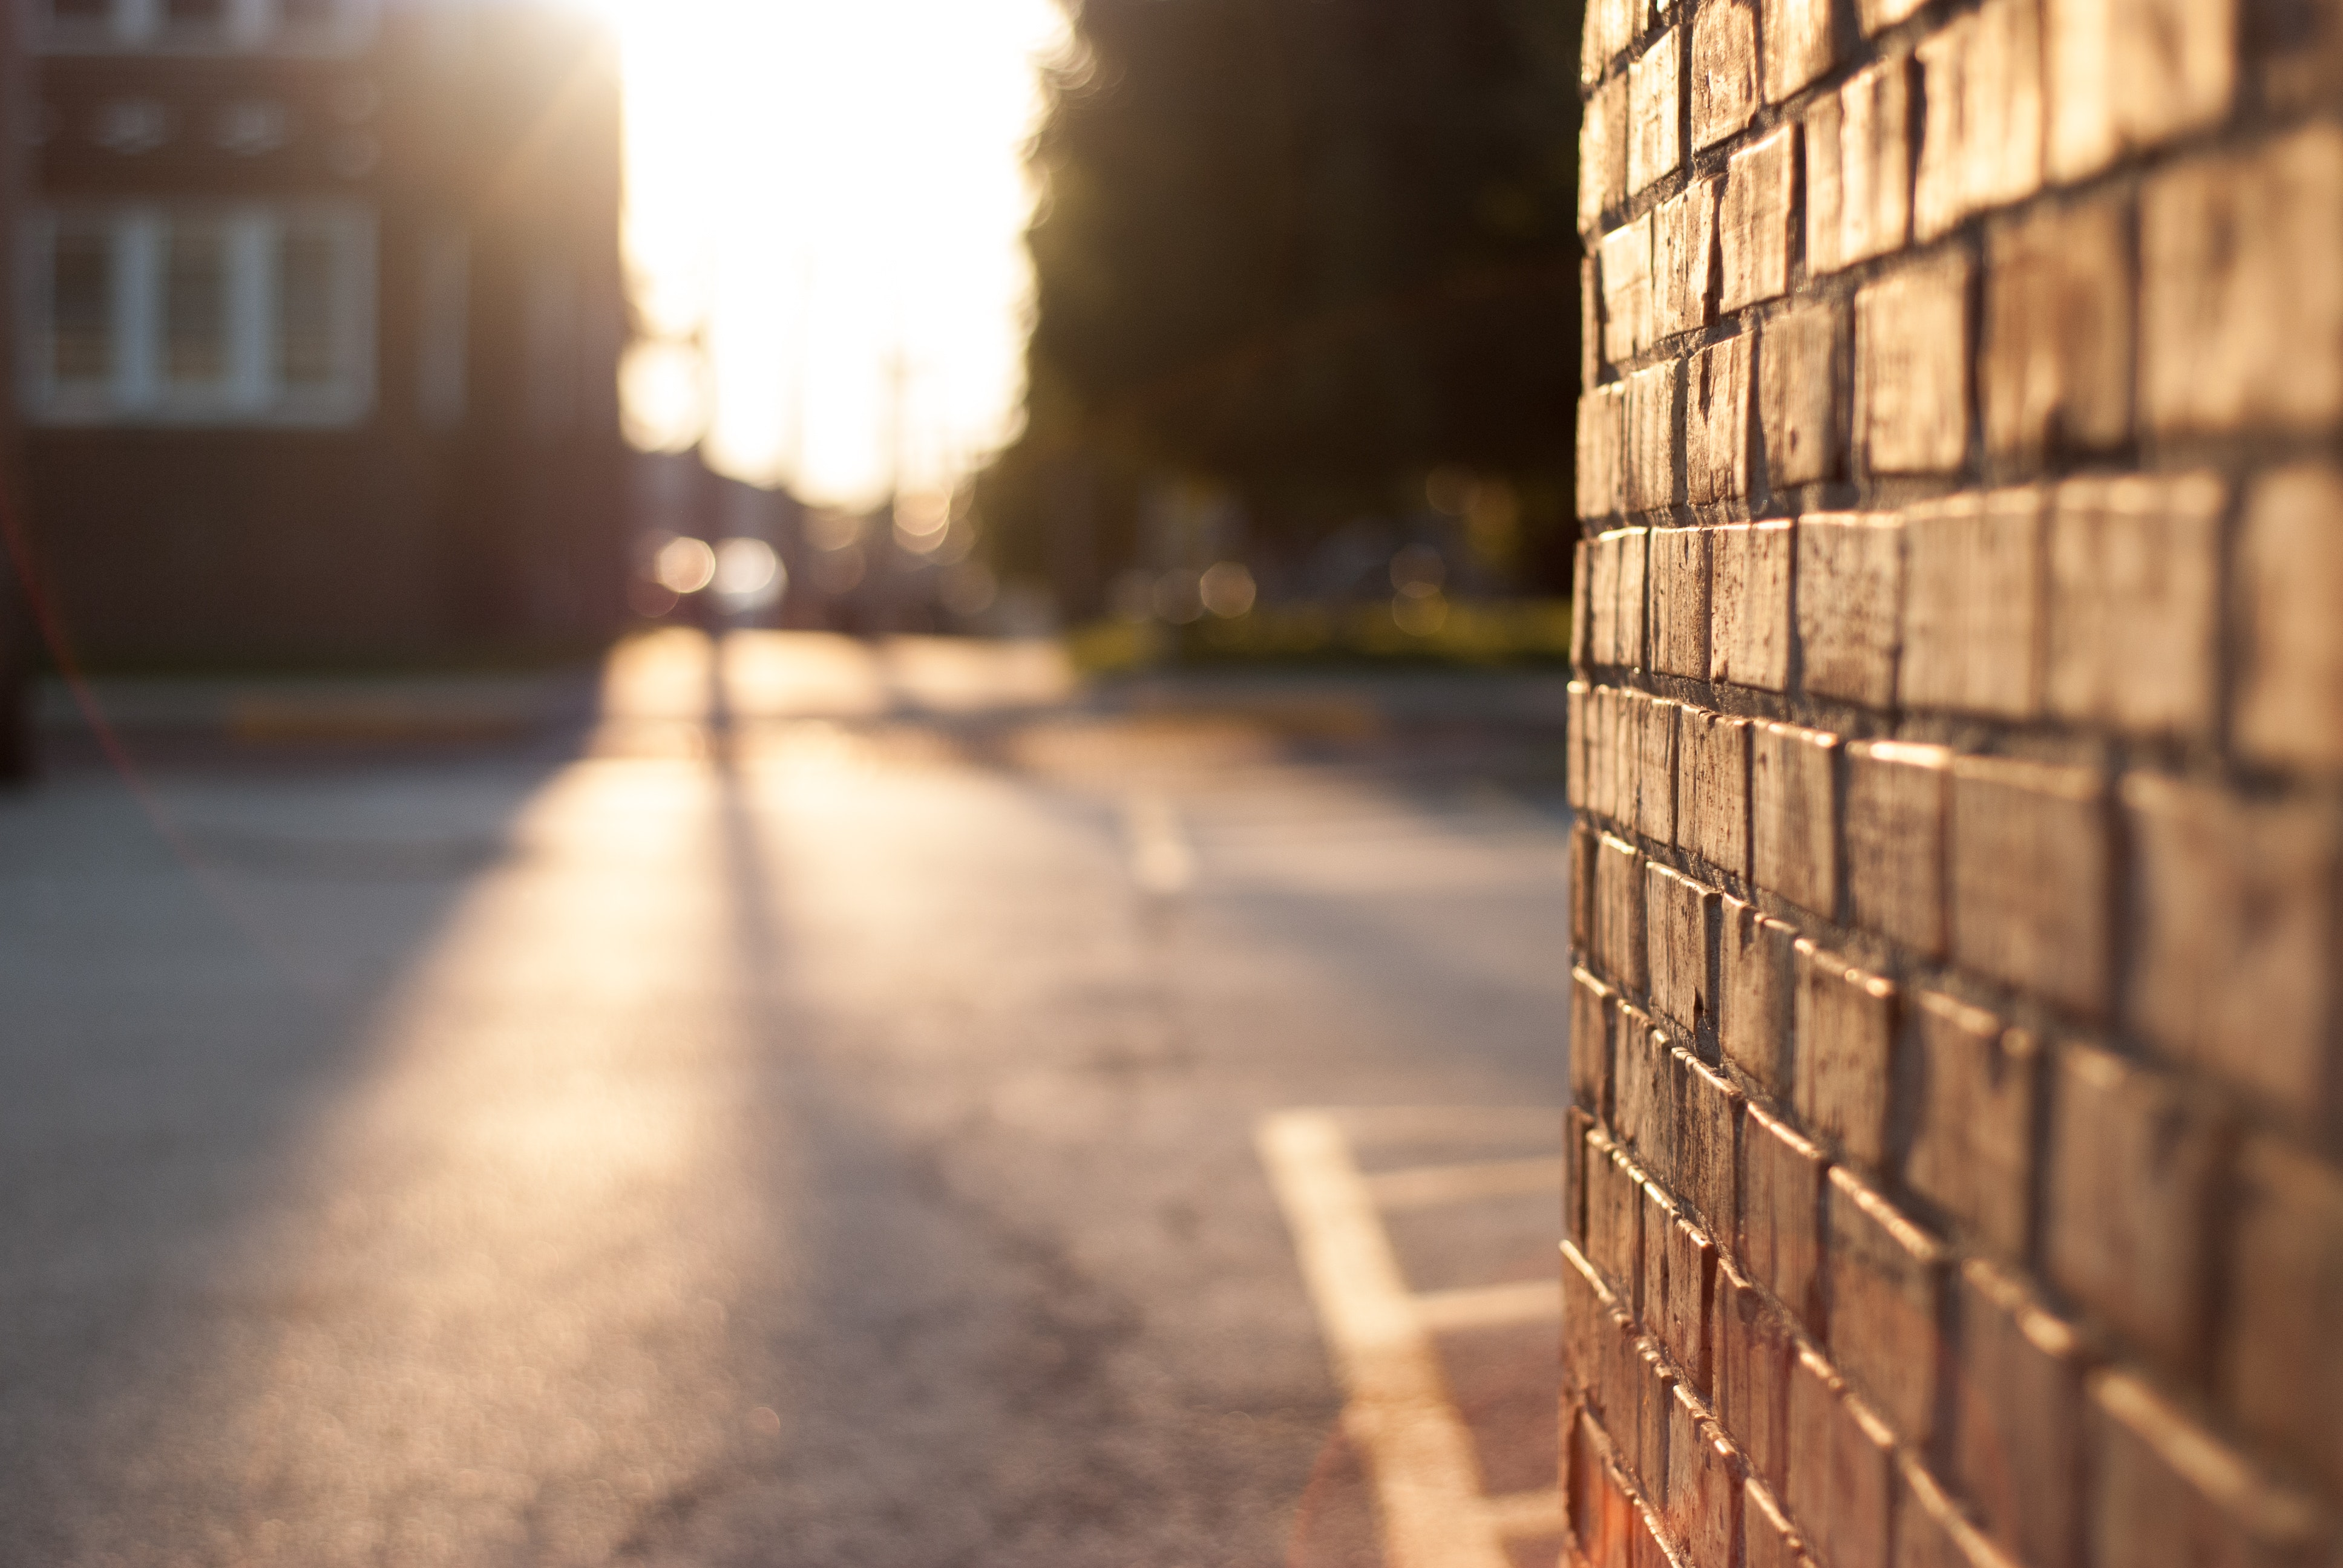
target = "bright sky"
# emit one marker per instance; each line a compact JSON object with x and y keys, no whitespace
{"x":831,"y":194}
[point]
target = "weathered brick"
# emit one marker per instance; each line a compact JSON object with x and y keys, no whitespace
{"x":1679,"y":618}
{"x":1586,"y":1307}
{"x":1643,"y":1095}
{"x":1982,"y":144}
{"x":1603,"y":451}
{"x":1603,"y":156}
{"x":1798,"y":401}
{"x":1679,"y":919}
{"x":1875,"y":163}
{"x":2236,"y":938}
{"x":1627,"y":260}
{"x":1600,"y":731}
{"x":1627,"y":628}
{"x":1912,"y":368}
{"x":2134,"y":606}
{"x":1619,"y":914}
{"x":1824,"y":195}
{"x":1850,"y":604}
{"x":2126,"y":1200}
{"x":1575,"y":1125}
{"x":1649,"y":1452}
{"x":2168,"y":1492}
{"x":1843,"y":1477}
{"x":2128,"y":73}
{"x":1715,"y":772}
{"x":1654,"y":111}
{"x":1756,"y":988}
{"x":1877,"y":16}
{"x":2055,"y":369}
{"x":2031,"y":864}
{"x":1845,"y":1027}
{"x":1975,"y":1085}
{"x":1652,"y":440}
{"x":1611,"y":26}
{"x":1655,"y":770}
{"x":1898,"y":798}
{"x":1582,"y":615}
{"x":2017,"y":1417}
{"x":1583,"y":846}
{"x":1973,"y":604}
{"x":1930,"y":1531}
{"x":2241,"y":307}
{"x":1754,"y":220}
{"x":1799,"y":46}
{"x":1590,"y":315}
{"x":1602,"y":596}
{"x":1707,"y":1141}
{"x":1767,"y":1537}
{"x":2280,"y":1366}
{"x":1688,"y":1275}
{"x":1724,"y":71}
{"x":1749,"y":605}
{"x":1717,"y":394}
{"x":1754,"y":1346}
{"x":1614,"y":1220}
{"x":1886,"y":1290}
{"x":1781,"y":1214}
{"x":1574,"y":778}
{"x":2289,"y":578}
{"x":1661,"y":1215}
{"x":1684,"y":260}
{"x":1593,"y":1005}
{"x":1794,"y":814}
{"x":1648,"y":1547}
{"x":1704,"y":1474}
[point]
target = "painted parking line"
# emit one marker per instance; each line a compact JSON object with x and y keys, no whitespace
{"x":1398,"y":1413}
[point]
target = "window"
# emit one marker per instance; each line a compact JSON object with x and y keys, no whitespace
{"x":200,"y":315}
{"x":206,"y":26}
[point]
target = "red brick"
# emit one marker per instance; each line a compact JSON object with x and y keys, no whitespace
{"x":2167,"y":1492}
{"x":1598,"y":1507}
{"x":2130,"y":73}
{"x":2126,"y":1199}
{"x":1843,"y":1471}
{"x":1655,"y":112}
{"x":1749,"y":605}
{"x":1845,"y":1024}
{"x":1640,"y":1090}
{"x":2054,"y":370}
{"x":1707,"y":1141}
{"x":1687,"y":1277}
{"x":1781,"y":1178}
{"x":1593,"y":1008}
{"x":1661,"y":1216}
{"x":1887,"y":1307}
{"x":1679,"y":578}
{"x":1930,"y":1531}
{"x":1767,"y":1538}
{"x":1850,"y":604}
{"x":1975,"y":1086}
{"x":2241,"y":308}
{"x":1680,"y":918}
{"x":1575,"y":1125}
{"x":2134,"y":602}
{"x":1649,"y":1452}
{"x":2018,"y":1418}
{"x":1648,"y":1547}
{"x":1715,"y":750}
{"x":2280,"y":1359}
{"x":1615,"y":1221}
{"x":1875,"y":168}
{"x":1754,"y":1346}
{"x":1898,"y":800}
{"x":1973,"y":599}
{"x":2289,"y":578}
{"x":1724,"y":71}
{"x":2031,"y":877}
{"x":1619,"y":914}
{"x":1754,"y":220}
{"x":1799,"y":46}
{"x":1798,"y":401}
{"x":1586,"y":1307}
{"x":1756,"y":992}
{"x":1794,"y":814}
{"x":2237,"y":940}
{"x":1704,"y":1476}
{"x":1912,"y":368}
{"x":1717,"y":393}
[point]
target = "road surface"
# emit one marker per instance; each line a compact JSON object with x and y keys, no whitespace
{"x":839,"y":1107}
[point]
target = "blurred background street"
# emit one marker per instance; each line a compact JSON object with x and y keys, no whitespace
{"x":775,"y":1100}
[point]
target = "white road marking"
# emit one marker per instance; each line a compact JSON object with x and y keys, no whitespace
{"x":1526,"y":1513}
{"x":1399,"y":1415}
{"x":1161,"y":861}
{"x":1429,"y":1186}
{"x":1491,"y":1306}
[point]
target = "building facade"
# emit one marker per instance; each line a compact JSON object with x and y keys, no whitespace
{"x":319,"y":311}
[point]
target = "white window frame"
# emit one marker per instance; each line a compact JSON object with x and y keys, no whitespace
{"x":249,"y":26}
{"x":251,"y":392}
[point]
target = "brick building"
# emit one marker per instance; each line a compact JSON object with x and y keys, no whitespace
{"x":320,"y":310}
{"x":1956,"y":1177}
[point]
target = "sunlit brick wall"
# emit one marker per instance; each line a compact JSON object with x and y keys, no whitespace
{"x":1959,"y":735}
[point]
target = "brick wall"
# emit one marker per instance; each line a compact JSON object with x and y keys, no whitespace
{"x":1954,"y":1158}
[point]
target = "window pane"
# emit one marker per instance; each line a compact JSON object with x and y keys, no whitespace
{"x":195,"y":306}
{"x":81,"y":307}
{"x":304,"y":308}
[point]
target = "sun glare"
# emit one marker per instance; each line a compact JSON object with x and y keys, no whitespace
{"x":825,"y":204}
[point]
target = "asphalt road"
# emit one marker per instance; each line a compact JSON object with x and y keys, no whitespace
{"x":811,"y":1116}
